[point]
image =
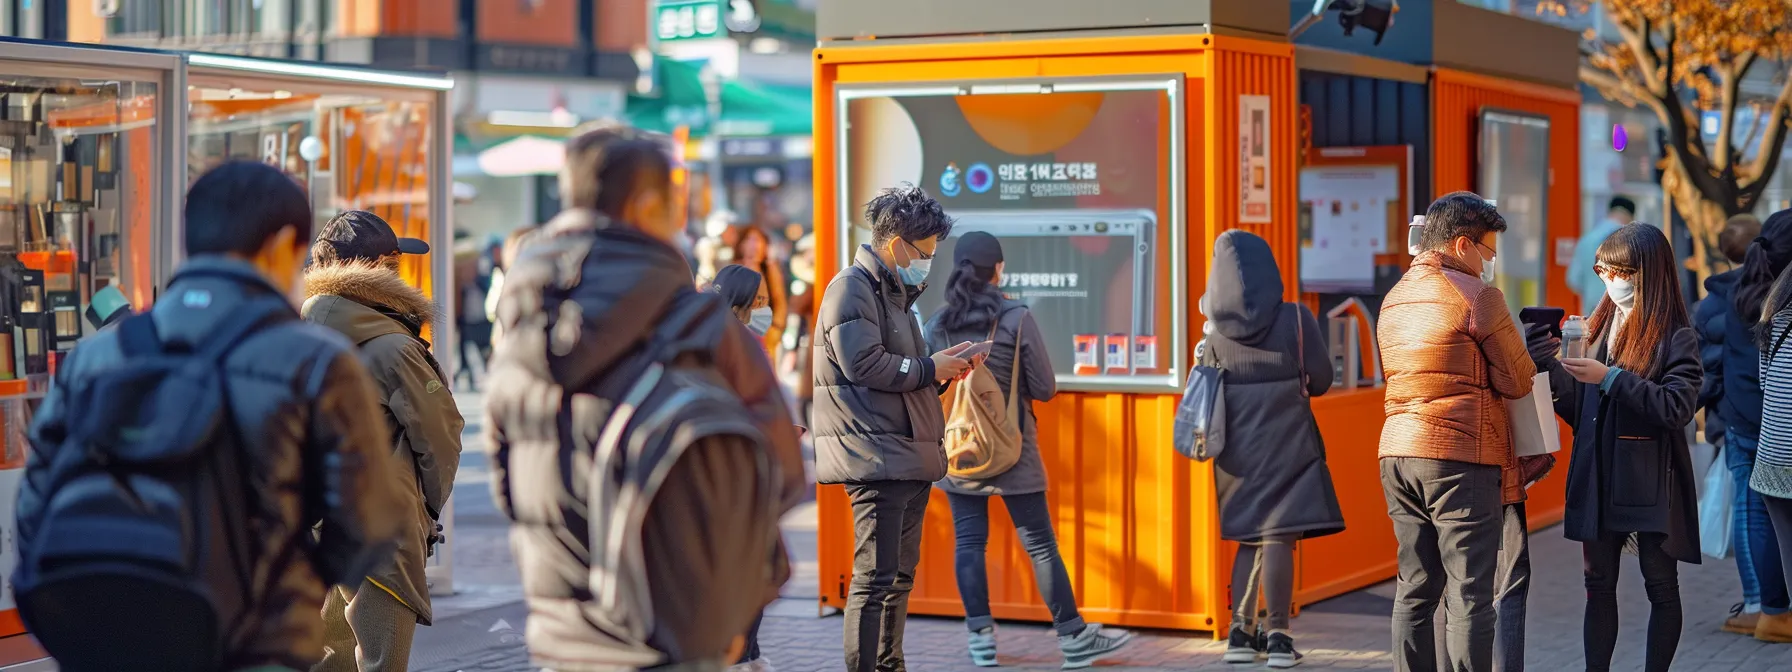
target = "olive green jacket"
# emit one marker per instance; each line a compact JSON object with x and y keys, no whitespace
{"x":384,"y":318}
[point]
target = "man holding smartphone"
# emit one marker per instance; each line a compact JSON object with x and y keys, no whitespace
{"x":877,"y":423}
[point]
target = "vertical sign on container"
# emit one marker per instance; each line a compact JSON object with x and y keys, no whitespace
{"x":1253,"y":159}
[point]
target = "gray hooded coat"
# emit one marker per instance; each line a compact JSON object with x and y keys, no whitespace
{"x":1272,"y":478}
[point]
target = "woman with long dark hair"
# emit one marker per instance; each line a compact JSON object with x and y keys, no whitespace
{"x":1772,"y":476}
{"x":750,"y":246}
{"x":744,"y":290}
{"x":1758,"y":558}
{"x":976,"y":311}
{"x":1630,"y":478}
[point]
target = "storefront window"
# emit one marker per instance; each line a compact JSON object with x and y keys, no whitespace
{"x":352,"y":151}
{"x":78,"y":160}
{"x":1078,"y":182}
{"x":1514,"y":173}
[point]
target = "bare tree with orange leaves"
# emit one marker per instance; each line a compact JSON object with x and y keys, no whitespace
{"x":1681,"y":57}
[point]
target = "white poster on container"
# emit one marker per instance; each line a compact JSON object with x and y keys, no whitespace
{"x":1253,"y":159}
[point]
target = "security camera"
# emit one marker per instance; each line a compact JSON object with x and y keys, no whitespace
{"x":1377,"y":16}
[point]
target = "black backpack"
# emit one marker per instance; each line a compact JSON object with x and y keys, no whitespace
{"x":653,"y":404}
{"x":141,"y":558}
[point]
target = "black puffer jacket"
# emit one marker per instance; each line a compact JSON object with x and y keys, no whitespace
{"x":877,"y":405}
{"x":708,"y":520}
{"x":265,"y":373}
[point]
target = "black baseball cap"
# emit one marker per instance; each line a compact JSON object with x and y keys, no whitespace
{"x":362,"y":235}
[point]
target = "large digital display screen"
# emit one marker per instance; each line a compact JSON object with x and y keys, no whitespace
{"x":1076,"y":184}
{"x":1514,"y":173}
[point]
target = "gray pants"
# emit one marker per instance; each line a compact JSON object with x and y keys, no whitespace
{"x":366,"y":629}
{"x":1514,"y":587}
{"x":886,"y":520}
{"x":1447,"y":520}
{"x":1266,"y":564}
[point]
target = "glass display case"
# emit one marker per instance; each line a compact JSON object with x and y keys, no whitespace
{"x":1077,"y":180}
{"x":84,"y":205}
{"x":83,"y":139}
{"x":358,"y":139}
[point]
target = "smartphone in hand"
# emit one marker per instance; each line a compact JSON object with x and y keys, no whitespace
{"x":975,"y":350}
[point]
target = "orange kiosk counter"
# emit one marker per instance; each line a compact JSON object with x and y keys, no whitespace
{"x":1108,"y":161}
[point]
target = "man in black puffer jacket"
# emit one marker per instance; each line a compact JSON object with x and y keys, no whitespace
{"x":878,"y":425}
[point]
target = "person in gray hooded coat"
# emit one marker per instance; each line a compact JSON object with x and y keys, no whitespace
{"x":1274,"y":487}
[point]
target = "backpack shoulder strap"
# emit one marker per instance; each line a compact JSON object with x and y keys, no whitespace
{"x":1014,"y":367}
{"x":252,"y":316}
{"x":137,"y":335}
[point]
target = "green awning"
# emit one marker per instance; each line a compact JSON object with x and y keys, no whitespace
{"x":748,"y":109}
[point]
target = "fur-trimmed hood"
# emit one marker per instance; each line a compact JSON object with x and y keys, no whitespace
{"x":374,"y":290}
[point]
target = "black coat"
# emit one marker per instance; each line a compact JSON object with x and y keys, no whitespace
{"x":1272,"y":478}
{"x":877,"y":406}
{"x":1631,"y":470}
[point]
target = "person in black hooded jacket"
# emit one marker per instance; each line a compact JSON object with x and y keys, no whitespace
{"x":1274,"y":486}
{"x":611,"y":266}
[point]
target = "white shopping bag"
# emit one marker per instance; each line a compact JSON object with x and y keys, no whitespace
{"x":1716,"y":506}
{"x":1534,"y":429}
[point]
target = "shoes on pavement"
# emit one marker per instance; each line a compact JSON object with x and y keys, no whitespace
{"x":1281,"y":651}
{"x":1081,"y":650}
{"x":1740,"y":621}
{"x":1776,"y":628}
{"x":761,"y":665}
{"x":983,"y":647}
{"x":1242,"y":648}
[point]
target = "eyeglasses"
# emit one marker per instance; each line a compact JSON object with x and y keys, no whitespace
{"x":917,"y":249}
{"x":1613,"y":272}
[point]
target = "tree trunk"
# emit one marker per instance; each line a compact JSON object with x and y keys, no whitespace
{"x":1704,"y":218}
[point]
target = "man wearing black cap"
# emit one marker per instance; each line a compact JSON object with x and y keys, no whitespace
{"x":353,"y":287}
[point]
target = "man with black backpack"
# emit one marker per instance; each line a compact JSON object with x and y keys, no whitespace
{"x":354,"y":288}
{"x":181,"y":461}
{"x":639,"y":442}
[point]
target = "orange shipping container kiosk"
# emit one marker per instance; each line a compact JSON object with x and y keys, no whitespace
{"x":1108,"y":145}
{"x":1107,"y":161}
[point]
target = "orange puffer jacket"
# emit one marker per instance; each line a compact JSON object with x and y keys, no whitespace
{"x":1453,"y":357}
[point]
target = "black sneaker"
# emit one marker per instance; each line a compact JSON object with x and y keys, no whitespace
{"x":1281,"y":651}
{"x":1084,"y":648}
{"x":1241,"y":648}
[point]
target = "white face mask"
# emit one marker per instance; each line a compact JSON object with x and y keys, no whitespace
{"x":761,"y":320}
{"x":1487,"y":272}
{"x":1622,"y":292}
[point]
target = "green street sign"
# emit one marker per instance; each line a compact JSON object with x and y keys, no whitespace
{"x":677,"y":20}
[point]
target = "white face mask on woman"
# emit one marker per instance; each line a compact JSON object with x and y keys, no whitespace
{"x":1622,"y":292}
{"x":761,"y":320}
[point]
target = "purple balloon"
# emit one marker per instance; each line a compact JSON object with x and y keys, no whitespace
{"x":1620,"y":139}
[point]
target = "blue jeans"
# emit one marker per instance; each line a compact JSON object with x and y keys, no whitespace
{"x":1033,"y":521}
{"x":1756,"y":546}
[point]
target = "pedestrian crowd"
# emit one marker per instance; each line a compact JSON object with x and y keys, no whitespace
{"x":248,"y":475}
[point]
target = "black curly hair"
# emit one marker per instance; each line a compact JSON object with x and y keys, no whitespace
{"x":1459,"y":214}
{"x":907,"y":212}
